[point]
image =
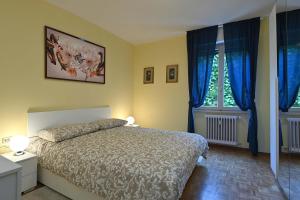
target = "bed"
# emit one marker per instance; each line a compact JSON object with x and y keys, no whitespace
{"x":118,"y":162}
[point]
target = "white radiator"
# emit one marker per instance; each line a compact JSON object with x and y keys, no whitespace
{"x":221,"y":129}
{"x":294,"y":134}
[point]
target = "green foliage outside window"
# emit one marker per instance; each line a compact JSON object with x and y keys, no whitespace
{"x":212,"y":93}
{"x":228,"y":98}
{"x":228,"y":101}
{"x":211,"y":99}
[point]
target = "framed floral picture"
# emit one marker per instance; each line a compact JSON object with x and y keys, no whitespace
{"x":172,"y":74}
{"x":71,"y":58}
{"x":148,"y":75}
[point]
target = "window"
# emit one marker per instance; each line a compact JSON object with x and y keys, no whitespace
{"x":219,"y":94}
{"x":297,"y":102}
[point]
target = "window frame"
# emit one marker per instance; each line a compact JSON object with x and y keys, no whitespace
{"x":295,"y":110}
{"x":220,"y":48}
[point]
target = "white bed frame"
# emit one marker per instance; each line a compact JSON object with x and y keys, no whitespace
{"x":41,"y":120}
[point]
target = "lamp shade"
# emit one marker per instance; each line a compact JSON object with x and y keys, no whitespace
{"x":18,"y":143}
{"x":130,"y":120}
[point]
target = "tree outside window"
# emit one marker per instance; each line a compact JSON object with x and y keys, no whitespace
{"x":219,"y":93}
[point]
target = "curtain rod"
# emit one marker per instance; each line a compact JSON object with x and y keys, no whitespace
{"x":221,"y":25}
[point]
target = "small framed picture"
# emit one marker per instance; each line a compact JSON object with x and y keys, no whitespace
{"x":148,"y":75}
{"x":172,"y":74}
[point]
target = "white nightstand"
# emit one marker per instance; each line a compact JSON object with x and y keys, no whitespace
{"x":10,"y":180}
{"x":28,"y":162}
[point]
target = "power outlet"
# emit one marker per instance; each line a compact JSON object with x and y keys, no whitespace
{"x":5,"y":140}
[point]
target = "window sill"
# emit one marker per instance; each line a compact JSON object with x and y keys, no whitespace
{"x":218,"y":111}
{"x":294,"y":112}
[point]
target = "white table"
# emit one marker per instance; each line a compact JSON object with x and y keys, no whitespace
{"x":28,"y":162}
{"x":10,"y":180}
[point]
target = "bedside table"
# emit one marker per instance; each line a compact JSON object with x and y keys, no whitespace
{"x":28,"y":162}
{"x":10,"y":180}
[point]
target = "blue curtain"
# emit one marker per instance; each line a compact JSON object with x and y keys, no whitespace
{"x":288,"y":60}
{"x":241,"y":47}
{"x":201,"y":45}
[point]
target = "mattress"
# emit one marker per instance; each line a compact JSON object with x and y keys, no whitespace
{"x":124,"y":162}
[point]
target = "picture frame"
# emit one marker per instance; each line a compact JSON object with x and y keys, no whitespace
{"x":148,"y":75}
{"x":172,"y":73}
{"x":68,"y":57}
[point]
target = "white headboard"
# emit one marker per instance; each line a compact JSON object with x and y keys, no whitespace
{"x":41,"y":120}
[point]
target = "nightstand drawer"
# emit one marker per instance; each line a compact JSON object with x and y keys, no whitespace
{"x":28,"y":166}
{"x":28,"y":181}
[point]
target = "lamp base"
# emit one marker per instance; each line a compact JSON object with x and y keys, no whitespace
{"x":19,"y":153}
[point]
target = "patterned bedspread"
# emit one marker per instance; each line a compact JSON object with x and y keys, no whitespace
{"x":124,"y":162}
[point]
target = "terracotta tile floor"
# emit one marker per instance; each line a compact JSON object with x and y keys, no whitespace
{"x":230,"y":173}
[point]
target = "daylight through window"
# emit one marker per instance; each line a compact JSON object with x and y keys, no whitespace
{"x":219,"y":94}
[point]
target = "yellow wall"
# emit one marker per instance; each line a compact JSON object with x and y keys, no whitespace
{"x":159,"y":105}
{"x":22,"y":83}
{"x":162,"y":105}
{"x":263,"y":88}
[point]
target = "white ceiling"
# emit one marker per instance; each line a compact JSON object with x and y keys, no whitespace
{"x":141,"y":21}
